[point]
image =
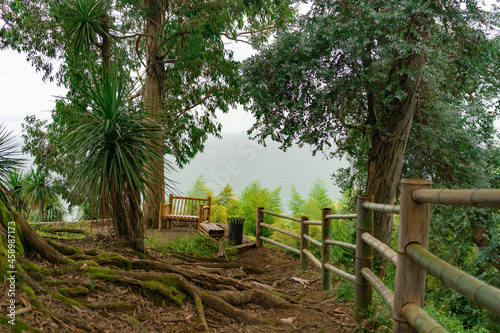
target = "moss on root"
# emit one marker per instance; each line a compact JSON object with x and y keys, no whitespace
{"x":79,"y":265}
{"x":35,"y":271}
{"x":102,"y":273}
{"x":117,"y":261}
{"x":65,"y":249}
{"x":35,"y":301}
{"x":67,"y":300}
{"x":18,"y":327}
{"x":73,"y":292}
{"x":152,"y":288}
{"x":115,"y":306}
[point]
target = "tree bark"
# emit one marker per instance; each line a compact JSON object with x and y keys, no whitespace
{"x":389,"y":139}
{"x":153,"y":98}
{"x":31,"y":241}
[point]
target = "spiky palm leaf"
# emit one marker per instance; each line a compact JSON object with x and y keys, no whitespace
{"x":53,"y":211}
{"x":8,"y":151}
{"x":15,"y":183}
{"x":84,"y":21}
{"x":38,"y":190}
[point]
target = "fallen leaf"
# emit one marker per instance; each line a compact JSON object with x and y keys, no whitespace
{"x":301,"y":281}
{"x":288,"y":320}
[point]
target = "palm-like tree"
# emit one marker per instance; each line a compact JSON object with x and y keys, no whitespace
{"x":53,"y":211}
{"x":38,"y":190}
{"x":86,"y":24}
{"x":14,"y":184}
{"x":8,"y":151}
{"x":112,"y":158}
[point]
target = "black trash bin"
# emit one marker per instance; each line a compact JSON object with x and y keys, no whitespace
{"x":236,"y":229}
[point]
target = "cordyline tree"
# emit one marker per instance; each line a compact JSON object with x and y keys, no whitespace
{"x":177,"y":49}
{"x":350,"y":77}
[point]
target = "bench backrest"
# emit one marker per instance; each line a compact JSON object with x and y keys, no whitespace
{"x":187,"y":206}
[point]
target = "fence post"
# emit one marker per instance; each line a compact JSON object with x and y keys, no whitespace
{"x":413,"y":228}
{"x":326,"y":250}
{"x":304,"y":243}
{"x":259,"y":230}
{"x":364,"y":255}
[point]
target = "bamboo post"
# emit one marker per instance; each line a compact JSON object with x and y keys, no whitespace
{"x":326,"y":249}
{"x":413,"y":228}
{"x":259,"y":230}
{"x":304,"y":243}
{"x":364,"y":255}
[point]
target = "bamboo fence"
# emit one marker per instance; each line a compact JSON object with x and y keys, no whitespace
{"x":412,"y":259}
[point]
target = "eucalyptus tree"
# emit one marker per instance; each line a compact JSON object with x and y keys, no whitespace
{"x":349,"y":77}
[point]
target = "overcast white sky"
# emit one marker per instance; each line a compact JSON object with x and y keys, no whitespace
{"x":23,"y":93}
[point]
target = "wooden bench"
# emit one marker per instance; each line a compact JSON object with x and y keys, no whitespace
{"x":184,"y":209}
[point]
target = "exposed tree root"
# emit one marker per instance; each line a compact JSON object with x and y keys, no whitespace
{"x":204,"y":280}
{"x":67,"y":230}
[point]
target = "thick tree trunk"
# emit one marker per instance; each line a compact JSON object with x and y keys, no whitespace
{"x":153,"y":98}
{"x":385,"y":158}
{"x":31,"y":241}
{"x":386,"y":161}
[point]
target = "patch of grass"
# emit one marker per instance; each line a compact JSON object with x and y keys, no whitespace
{"x":199,"y":246}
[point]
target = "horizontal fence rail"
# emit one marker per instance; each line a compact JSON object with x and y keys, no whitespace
{"x":341,"y":216}
{"x":376,"y":207}
{"x":481,"y":293}
{"x":281,"y":216}
{"x":311,"y":256}
{"x":312,"y":222}
{"x":412,"y":259}
{"x":383,"y":249}
{"x":420,"y":320}
{"x":312,"y":240}
{"x":283,"y":246}
{"x":283,"y":231}
{"x":347,"y":246}
{"x":472,"y":198}
{"x":341,"y":273}
{"x":384,"y":292}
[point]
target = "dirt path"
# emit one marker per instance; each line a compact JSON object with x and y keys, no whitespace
{"x":136,"y":311}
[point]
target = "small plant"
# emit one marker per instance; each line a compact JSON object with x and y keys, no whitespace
{"x":199,"y":246}
{"x":89,"y":284}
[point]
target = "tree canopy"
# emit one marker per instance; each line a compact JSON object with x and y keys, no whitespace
{"x":350,"y":78}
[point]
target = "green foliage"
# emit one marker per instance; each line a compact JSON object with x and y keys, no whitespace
{"x":9,"y":160}
{"x":342,"y":230}
{"x":199,"y":246}
{"x":84,"y":21}
{"x":199,"y":189}
{"x":253,"y":196}
{"x":39,"y":191}
{"x":227,"y":199}
{"x":14,"y":186}
{"x":53,"y":211}
{"x":112,"y":158}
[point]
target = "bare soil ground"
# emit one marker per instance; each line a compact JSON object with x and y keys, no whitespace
{"x":103,"y":306}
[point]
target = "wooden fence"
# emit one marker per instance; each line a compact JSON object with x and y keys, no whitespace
{"x":412,"y":259}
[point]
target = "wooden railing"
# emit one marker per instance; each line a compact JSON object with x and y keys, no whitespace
{"x":412,"y":259}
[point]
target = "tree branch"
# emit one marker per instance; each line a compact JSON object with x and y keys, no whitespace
{"x":9,"y":11}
